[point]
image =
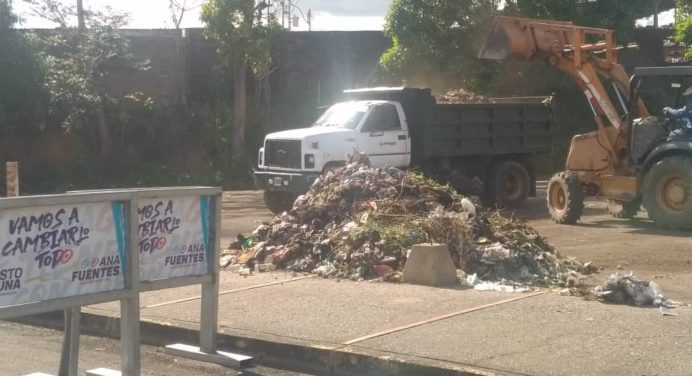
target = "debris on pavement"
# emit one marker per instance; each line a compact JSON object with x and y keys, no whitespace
{"x":625,"y":288}
{"x":359,"y":223}
{"x":666,"y":311}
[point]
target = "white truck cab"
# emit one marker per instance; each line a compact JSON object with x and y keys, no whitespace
{"x":290,"y":161}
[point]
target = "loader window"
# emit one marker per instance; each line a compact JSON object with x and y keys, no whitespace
{"x":383,"y":118}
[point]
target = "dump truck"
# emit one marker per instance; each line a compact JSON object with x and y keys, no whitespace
{"x":483,"y":149}
{"x":632,"y":158}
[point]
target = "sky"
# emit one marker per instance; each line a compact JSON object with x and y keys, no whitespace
{"x":327,"y":14}
{"x":148,"y":14}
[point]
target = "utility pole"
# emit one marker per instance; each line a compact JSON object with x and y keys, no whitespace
{"x":80,"y":15}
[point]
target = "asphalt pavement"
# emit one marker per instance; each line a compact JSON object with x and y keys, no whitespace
{"x":28,"y":349}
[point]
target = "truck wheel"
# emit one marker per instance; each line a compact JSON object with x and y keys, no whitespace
{"x":624,"y":209}
{"x":565,"y":198}
{"x":278,"y":202}
{"x":509,"y":185}
{"x":668,"y":192}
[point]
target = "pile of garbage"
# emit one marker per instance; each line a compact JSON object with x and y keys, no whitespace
{"x":359,"y":223}
{"x":462,"y":96}
{"x":625,"y":288}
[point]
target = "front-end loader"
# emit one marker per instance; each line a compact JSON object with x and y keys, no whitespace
{"x":632,"y":158}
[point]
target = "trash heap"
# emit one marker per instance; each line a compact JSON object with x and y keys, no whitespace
{"x":462,"y":96}
{"x":359,"y":223}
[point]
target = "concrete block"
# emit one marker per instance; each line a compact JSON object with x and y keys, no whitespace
{"x":223,"y":358}
{"x":103,"y":372}
{"x":430,"y":265}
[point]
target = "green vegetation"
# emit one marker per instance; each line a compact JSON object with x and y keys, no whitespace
{"x":244,"y":41}
{"x":21,"y":75}
{"x":683,"y":25}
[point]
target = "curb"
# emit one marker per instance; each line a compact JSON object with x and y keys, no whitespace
{"x":322,"y":360}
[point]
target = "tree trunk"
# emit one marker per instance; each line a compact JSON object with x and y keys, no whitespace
{"x":181,"y":67}
{"x":263,"y":100}
{"x":80,"y":16}
{"x":239,"y":112}
{"x":103,"y":134}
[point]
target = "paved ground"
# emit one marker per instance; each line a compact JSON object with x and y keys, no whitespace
{"x":637,"y":245}
{"x":28,"y":349}
{"x":543,"y":334}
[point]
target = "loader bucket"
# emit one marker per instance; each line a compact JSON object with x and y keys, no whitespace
{"x":514,"y":38}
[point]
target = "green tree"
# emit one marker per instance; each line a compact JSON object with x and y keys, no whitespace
{"x":436,"y":40}
{"x":619,"y":15}
{"x":683,"y":25}
{"x":244,"y":40}
{"x":21,"y":75}
{"x":80,"y":65}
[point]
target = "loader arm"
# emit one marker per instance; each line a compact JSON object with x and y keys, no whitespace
{"x":582,"y":52}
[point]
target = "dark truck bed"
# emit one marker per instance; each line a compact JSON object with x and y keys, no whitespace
{"x":522,"y":126}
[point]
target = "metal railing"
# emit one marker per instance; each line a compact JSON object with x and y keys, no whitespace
{"x":62,"y":252}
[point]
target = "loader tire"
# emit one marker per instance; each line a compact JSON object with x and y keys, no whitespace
{"x":624,"y":209}
{"x":278,"y":202}
{"x":509,"y":185}
{"x":565,"y":198}
{"x":668,"y":192}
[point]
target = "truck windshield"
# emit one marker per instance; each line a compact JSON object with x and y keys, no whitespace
{"x":345,"y":115}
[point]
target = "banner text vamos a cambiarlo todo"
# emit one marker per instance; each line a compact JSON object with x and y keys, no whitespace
{"x":55,"y":252}
{"x":173,"y":237}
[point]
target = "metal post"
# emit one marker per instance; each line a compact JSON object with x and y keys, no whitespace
{"x":210,"y":291}
{"x":69,"y":360}
{"x":12,"y":176}
{"x":129,"y":308}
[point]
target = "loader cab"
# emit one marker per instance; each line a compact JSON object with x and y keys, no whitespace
{"x":648,"y":136}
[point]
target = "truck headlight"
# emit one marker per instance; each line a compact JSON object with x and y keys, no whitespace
{"x":309,"y":161}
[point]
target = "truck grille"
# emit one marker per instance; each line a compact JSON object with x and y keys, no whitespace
{"x":282,"y":153}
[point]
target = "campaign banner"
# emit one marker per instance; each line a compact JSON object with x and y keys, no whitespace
{"x":173,"y":237}
{"x":55,"y":252}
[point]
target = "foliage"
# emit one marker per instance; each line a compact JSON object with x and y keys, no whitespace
{"x":244,"y":39}
{"x":234,"y":25}
{"x":81,"y":63}
{"x":619,"y":15}
{"x":436,"y":39}
{"x":683,"y":25}
{"x":21,"y":75}
{"x":7,"y":16}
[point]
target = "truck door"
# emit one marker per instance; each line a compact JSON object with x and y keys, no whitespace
{"x":383,"y":138}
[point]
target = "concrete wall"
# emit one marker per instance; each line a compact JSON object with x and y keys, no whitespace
{"x":304,"y":62}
